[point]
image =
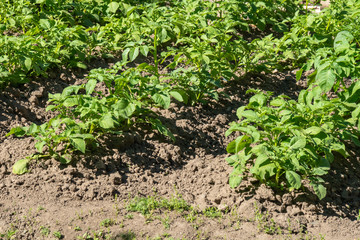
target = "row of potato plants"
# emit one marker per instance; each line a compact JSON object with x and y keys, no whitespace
{"x":42,"y":34}
{"x":286,"y":143}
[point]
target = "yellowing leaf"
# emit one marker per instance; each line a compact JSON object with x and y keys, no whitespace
{"x":21,"y":166}
{"x":28,"y":63}
{"x":113,"y":7}
{"x":45,"y":24}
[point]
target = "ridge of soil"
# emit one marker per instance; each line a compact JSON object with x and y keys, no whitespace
{"x":143,"y":164}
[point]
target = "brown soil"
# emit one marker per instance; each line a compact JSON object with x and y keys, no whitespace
{"x":89,"y":199}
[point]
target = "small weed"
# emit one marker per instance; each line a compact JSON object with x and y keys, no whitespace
{"x":107,"y":222}
{"x":149,"y":218}
{"x":126,"y":236}
{"x":212,"y":212}
{"x":147,"y":205}
{"x":163,"y":236}
{"x":166,"y":222}
{"x":116,"y":205}
{"x":237,"y":226}
{"x":84,"y":236}
{"x":40,"y":208}
{"x":10,"y":234}
{"x":191,"y":216}
{"x":289,"y":226}
{"x":121,"y":225}
{"x":175,"y":203}
{"x":265,"y":224}
{"x":79,"y":215}
{"x":272,"y":228}
{"x":322,"y":237}
{"x":96,"y":235}
{"x":143,"y":205}
{"x":77,"y":228}
{"x":200,"y":235}
{"x":58,"y":235}
{"x":129,"y":216}
{"x":166,"y":235}
{"x":45,"y":231}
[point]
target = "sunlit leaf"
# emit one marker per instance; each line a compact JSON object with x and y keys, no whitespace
{"x":113,"y":7}
{"x":107,"y":122}
{"x":21,"y":166}
{"x":293,"y":179}
{"x":326,"y":79}
{"x":79,"y":144}
{"x":161,"y":99}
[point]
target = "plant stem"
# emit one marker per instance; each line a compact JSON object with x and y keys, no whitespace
{"x":156,"y":61}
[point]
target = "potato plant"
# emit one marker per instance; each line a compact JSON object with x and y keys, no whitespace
{"x":286,"y":142}
{"x":85,"y":113}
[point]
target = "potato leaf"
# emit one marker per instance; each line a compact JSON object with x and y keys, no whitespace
{"x":71,"y":101}
{"x":319,"y":190}
{"x":161,"y":99}
{"x":79,"y":144}
{"x":258,"y":100}
{"x":65,"y":158}
{"x":235,"y":178}
{"x":113,"y":7}
{"x":250,"y":115}
{"x":179,"y":95}
{"x":133,"y":53}
{"x":21,"y":166}
{"x":157,"y":124}
{"x":107,"y":122}
{"x":40,"y":145}
{"x":17,"y":131}
{"x":90,"y":86}
{"x":297,"y":142}
{"x":44,"y":23}
{"x":293,"y":179}
{"x":28,"y":63}
{"x":313,"y":130}
{"x":326,"y":79}
{"x":299,"y":74}
{"x":144,"y":50}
